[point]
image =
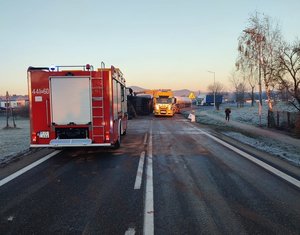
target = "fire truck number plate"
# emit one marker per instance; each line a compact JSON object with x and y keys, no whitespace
{"x":44,"y":134}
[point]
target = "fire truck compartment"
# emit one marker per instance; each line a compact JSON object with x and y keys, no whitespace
{"x":72,"y":133}
{"x":71,"y":136}
{"x":70,"y":100}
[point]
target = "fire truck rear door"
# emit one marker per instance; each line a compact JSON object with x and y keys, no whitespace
{"x":70,"y":100}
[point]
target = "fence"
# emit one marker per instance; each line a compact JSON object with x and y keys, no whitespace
{"x":284,"y":120}
{"x":19,"y":111}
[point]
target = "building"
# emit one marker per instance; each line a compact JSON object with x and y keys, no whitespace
{"x":15,"y":101}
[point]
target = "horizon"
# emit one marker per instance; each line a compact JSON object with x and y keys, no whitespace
{"x":157,"y":44}
{"x":196,"y":92}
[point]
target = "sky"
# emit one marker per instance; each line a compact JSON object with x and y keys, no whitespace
{"x":156,"y":44}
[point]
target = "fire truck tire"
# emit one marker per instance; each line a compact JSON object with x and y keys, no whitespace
{"x":118,"y":142}
{"x":117,"y":145}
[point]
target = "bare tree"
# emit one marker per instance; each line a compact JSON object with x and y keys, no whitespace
{"x":288,"y":73}
{"x":252,"y":79}
{"x":249,"y":58}
{"x":241,"y":94}
{"x":218,"y":88}
{"x":249,"y":70}
{"x":283,"y":93}
{"x":273,"y":39}
{"x":238,"y":82}
{"x":258,"y":46}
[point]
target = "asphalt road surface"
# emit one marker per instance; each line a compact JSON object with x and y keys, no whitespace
{"x":168,"y":177}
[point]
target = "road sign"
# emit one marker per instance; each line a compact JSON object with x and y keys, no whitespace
{"x":192,"y":96}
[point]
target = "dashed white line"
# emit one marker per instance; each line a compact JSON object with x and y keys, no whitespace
{"x":10,"y":218}
{"x":139,"y":174}
{"x":148,"y":228}
{"x":145,"y":139}
{"x":27,"y":168}
{"x":130,"y":231}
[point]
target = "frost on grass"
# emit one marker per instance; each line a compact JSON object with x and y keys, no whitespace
{"x":284,"y":106}
{"x":13,"y":140}
{"x":288,"y":152}
{"x":245,"y":119}
{"x":246,"y":114}
{"x":203,"y":118}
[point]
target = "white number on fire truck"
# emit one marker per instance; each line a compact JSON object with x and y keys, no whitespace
{"x":44,"y":91}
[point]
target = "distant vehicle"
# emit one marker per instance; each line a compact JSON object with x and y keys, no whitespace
{"x":139,"y":105}
{"x":140,"y":102}
{"x":164,"y":103}
{"x":209,"y":100}
{"x":74,"y":106}
{"x":182,"y":102}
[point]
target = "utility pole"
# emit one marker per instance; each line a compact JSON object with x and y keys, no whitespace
{"x":6,"y":106}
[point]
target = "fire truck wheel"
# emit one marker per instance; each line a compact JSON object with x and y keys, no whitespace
{"x":117,"y":145}
{"x":118,"y":142}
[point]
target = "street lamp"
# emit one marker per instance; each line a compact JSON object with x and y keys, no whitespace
{"x":214,"y":87}
{"x":7,"y":106}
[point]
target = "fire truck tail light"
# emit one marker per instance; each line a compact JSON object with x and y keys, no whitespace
{"x":33,"y":137}
{"x":107,"y":136}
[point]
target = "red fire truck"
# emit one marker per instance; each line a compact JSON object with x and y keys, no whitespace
{"x":74,"y":106}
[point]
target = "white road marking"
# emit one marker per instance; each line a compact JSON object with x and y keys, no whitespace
{"x":139,"y":174}
{"x":10,"y":218}
{"x":149,"y":208}
{"x":27,"y":168}
{"x":256,"y":161}
{"x":130,"y":231}
{"x":145,"y":139}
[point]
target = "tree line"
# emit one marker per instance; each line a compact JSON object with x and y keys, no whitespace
{"x":265,"y":58}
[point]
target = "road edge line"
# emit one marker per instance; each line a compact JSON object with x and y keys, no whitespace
{"x":262,"y":164}
{"x":27,"y":168}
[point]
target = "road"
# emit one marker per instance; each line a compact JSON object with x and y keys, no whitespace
{"x":169,"y":177}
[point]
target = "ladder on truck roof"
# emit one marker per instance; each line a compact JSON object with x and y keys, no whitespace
{"x":98,"y":109}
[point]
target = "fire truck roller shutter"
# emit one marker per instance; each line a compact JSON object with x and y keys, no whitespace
{"x":70,"y":100}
